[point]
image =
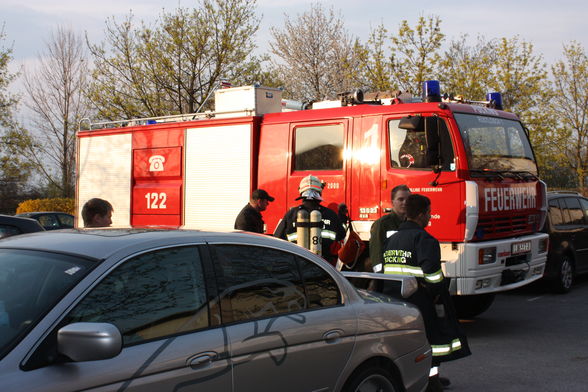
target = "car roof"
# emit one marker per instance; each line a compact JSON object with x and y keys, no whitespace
{"x":35,"y":213}
{"x":99,"y":244}
{"x":27,"y":225}
{"x":554,"y":194}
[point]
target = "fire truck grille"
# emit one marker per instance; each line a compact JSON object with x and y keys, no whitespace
{"x":502,"y":226}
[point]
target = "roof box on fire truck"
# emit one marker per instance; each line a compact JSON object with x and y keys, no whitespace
{"x":247,"y":101}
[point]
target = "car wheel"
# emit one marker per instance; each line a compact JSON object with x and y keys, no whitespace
{"x":372,"y":379}
{"x":565,"y":275}
{"x":469,"y":306}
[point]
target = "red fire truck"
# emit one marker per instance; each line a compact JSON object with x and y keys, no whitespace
{"x":474,"y":162}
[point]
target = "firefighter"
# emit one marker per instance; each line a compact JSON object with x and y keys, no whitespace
{"x":414,"y":252}
{"x":311,"y":189}
{"x":388,"y":225}
{"x":250,"y":219}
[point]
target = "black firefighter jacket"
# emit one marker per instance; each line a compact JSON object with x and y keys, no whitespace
{"x":332,"y":229}
{"x":414,"y":252}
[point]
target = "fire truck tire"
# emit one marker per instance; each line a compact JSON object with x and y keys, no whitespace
{"x":469,"y":306}
{"x":371,"y":378}
{"x":565,"y":275}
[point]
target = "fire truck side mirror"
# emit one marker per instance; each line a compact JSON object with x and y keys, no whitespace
{"x":410,"y":123}
{"x":433,"y":139}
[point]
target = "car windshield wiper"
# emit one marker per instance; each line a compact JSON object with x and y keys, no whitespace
{"x":527,"y":174}
{"x":520,"y":174}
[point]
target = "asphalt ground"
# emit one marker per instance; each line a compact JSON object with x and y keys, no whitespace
{"x":529,"y":340}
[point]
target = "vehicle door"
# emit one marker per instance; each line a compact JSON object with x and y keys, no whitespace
{"x":578,"y":227}
{"x":159,"y":301}
{"x":287,"y":326}
{"x":407,"y":162}
{"x":364,"y":174}
{"x":318,"y":150}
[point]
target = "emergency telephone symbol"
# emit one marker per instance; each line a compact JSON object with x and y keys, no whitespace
{"x":156,"y":163}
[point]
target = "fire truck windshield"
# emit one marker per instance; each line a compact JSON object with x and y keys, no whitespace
{"x":496,"y":145}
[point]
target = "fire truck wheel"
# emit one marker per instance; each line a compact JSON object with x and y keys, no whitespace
{"x":469,"y":306}
{"x":565,"y":275}
{"x":371,"y":378}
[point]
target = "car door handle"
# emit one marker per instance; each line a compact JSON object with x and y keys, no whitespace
{"x":332,"y":336}
{"x":388,"y":209}
{"x":202,"y":359}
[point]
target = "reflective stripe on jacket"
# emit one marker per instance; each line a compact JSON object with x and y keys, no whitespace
{"x":414,"y":252}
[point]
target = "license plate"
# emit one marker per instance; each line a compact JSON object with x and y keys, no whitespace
{"x":521,"y":247}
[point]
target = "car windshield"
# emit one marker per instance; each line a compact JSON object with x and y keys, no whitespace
{"x":31,"y":283}
{"x":496,"y":145}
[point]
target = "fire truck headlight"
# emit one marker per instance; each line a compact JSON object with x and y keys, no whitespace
{"x":487,"y":255}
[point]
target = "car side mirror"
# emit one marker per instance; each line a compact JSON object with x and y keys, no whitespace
{"x":89,"y":341}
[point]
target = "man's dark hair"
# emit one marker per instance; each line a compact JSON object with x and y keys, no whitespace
{"x":416,"y":205}
{"x":397,"y":189}
{"x":94,"y":207}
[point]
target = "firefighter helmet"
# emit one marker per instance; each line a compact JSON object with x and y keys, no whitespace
{"x":311,"y":187}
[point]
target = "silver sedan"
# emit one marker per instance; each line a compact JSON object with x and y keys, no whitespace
{"x":149,"y":310}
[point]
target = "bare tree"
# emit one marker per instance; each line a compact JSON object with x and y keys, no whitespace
{"x":14,"y":170}
{"x":415,"y":53}
{"x":466,"y":69}
{"x":317,"y":57}
{"x":569,"y":104}
{"x":375,"y":63}
{"x":56,"y":98}
{"x":173,"y":65}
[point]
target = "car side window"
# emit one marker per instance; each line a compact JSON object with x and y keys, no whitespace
{"x":48,"y":222}
{"x":153,"y":295}
{"x":565,"y":213}
{"x":584,"y":204}
{"x":555,"y":213}
{"x":575,"y":211}
{"x":66,"y":220}
{"x":321,"y":289}
{"x":7,"y":231}
{"x":257,"y":282}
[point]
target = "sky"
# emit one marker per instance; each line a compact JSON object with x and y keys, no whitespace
{"x":548,"y":25}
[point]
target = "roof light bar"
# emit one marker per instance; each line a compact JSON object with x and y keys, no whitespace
{"x":431,"y":91}
{"x":495,"y":100}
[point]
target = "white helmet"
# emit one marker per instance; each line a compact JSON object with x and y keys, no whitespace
{"x":311,"y":187}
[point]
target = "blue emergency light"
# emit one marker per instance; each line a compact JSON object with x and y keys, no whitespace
{"x":495,"y":100}
{"x":431,"y":91}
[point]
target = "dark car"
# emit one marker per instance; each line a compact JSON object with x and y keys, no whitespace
{"x":179,"y":310}
{"x":13,"y":225}
{"x":51,"y":220}
{"x":567,"y":226}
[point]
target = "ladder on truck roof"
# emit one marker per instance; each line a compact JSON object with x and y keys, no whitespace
{"x":242,"y":101}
